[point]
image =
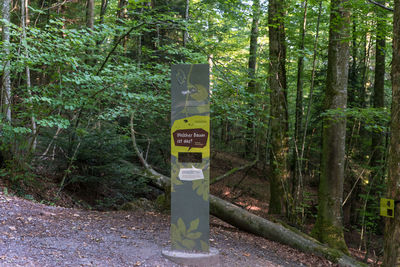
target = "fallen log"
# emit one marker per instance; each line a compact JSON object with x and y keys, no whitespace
{"x":259,"y":226}
{"x":234,"y":170}
{"x":254,"y":224}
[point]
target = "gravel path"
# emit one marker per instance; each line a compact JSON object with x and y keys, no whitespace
{"x":33,"y":234}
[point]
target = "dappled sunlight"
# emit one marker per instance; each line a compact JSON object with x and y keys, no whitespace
{"x":226,"y":192}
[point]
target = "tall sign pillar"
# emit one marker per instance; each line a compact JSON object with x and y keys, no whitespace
{"x":190,"y":165}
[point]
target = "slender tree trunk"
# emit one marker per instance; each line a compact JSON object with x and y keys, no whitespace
{"x":392,"y":227}
{"x":279,"y":111}
{"x":186,"y":33}
{"x":377,"y":140}
{"x":25,"y":22}
{"x":121,"y":14}
{"x":328,"y":228}
{"x":103,"y":10}
{"x":252,"y":84}
{"x":310,"y":99}
{"x":297,"y":174}
{"x":90,"y":14}
{"x":6,"y":81}
{"x":353,"y":78}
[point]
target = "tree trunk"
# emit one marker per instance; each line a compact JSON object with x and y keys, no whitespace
{"x":185,"y":32}
{"x":310,"y":99}
{"x":6,"y":81}
{"x":103,"y":10}
{"x":90,"y":14}
{"x":297,"y":172}
{"x":392,"y":227}
{"x":252,"y":84}
{"x":377,"y":138}
{"x":379,"y":86}
{"x":353,"y":78}
{"x":279,"y":111}
{"x":121,"y":15}
{"x":328,"y":228}
{"x":25,"y":22}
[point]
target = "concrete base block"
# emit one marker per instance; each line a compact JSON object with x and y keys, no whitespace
{"x":198,"y":259}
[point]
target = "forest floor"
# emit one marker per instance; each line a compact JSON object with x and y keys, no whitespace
{"x":34,"y":234}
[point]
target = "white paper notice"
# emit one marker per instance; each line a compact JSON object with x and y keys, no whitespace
{"x":191,"y":174}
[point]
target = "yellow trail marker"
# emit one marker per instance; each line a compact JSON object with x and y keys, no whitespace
{"x":387,"y":207}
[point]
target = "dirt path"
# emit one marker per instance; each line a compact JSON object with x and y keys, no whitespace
{"x":33,"y":234}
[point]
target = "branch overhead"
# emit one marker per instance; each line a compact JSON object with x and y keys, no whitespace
{"x":381,"y":5}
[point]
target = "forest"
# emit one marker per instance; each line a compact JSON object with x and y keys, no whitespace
{"x":305,"y":104}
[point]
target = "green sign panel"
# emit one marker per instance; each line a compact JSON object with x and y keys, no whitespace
{"x":190,"y":157}
{"x":387,"y":207}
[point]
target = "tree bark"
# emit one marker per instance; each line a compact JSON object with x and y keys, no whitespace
{"x":279,"y":111}
{"x":377,"y":138}
{"x":392,"y":227}
{"x":185,"y":32}
{"x":379,"y":85}
{"x":90,"y":14}
{"x":6,"y":81}
{"x":310,"y":99}
{"x":24,"y":23}
{"x":103,"y":10}
{"x":297,"y":172}
{"x":252,"y":84}
{"x":328,"y":228}
{"x":353,"y":78}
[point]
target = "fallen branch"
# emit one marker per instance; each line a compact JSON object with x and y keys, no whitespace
{"x":219,"y":178}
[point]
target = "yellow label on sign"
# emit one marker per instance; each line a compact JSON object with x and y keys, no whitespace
{"x":387,"y":207}
{"x":191,"y":134}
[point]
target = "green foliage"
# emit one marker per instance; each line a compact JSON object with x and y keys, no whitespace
{"x":103,"y":166}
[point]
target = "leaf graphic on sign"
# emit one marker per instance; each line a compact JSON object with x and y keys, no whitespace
{"x":201,"y":92}
{"x":201,"y":188}
{"x":174,"y":176}
{"x":194,"y":224}
{"x":183,"y":238}
{"x":204,"y":246}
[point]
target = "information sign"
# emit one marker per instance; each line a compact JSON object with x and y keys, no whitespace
{"x":190,"y":157}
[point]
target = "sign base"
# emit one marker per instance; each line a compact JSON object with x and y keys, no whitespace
{"x":193,"y":258}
